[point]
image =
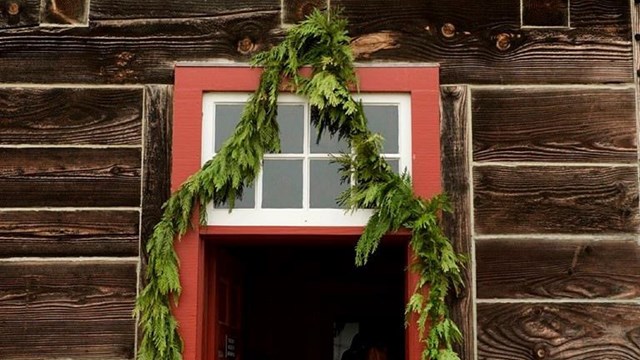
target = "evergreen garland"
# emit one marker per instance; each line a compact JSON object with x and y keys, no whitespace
{"x":321,"y":43}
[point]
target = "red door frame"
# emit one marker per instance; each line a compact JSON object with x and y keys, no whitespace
{"x":191,"y":82}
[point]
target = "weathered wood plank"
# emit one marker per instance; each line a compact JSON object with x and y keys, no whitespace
{"x":132,"y":9}
{"x":519,"y":269}
{"x":559,"y":125}
{"x":558,"y":332}
{"x":538,"y":199}
{"x":545,"y":12}
{"x":296,"y":10}
{"x":132,"y":51}
{"x":157,"y":158}
{"x":482,"y":41}
{"x":34,"y":177}
{"x":79,"y":310}
{"x":65,"y":12}
{"x":455,"y":179}
{"x":19,"y":13}
{"x":70,"y":116}
{"x":69,"y":233}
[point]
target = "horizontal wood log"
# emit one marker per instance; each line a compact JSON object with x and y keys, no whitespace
{"x":130,"y":51}
{"x":545,"y":13}
{"x":539,"y":199}
{"x":36,"y":177}
{"x":19,"y":13}
{"x":482,"y":41}
{"x":457,"y":226}
{"x":296,"y":10}
{"x":65,"y":12}
{"x":559,"y":125}
{"x":519,"y":269}
{"x":70,"y":116}
{"x":132,"y":9}
{"x":69,"y":233}
{"x":78,"y":310}
{"x":558,"y":332}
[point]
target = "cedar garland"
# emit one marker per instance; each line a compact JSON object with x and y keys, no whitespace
{"x":321,"y":43}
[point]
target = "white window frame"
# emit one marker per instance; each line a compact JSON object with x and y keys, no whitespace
{"x":304,"y":216}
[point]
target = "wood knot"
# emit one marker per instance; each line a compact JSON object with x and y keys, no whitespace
{"x":540,"y":351}
{"x":124,"y":58}
{"x":13,"y":8}
{"x":503,"y":41}
{"x":448,"y":30}
{"x":246,"y":46}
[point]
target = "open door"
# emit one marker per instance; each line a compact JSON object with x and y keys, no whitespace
{"x":224,"y":331}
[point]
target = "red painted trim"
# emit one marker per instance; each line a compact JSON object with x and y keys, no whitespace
{"x":192,"y":82}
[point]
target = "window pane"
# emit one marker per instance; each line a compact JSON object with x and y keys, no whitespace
{"x":291,"y":122}
{"x":282,"y":184}
{"x":383,"y":119}
{"x":226,"y":119}
{"x":327,"y":144}
{"x":395,"y":165}
{"x":248,"y":200}
{"x":325,"y":184}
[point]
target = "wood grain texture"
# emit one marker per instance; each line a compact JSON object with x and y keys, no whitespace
{"x":455,"y":179}
{"x":545,"y":12}
{"x":538,"y":199}
{"x":26,"y":14}
{"x":81,"y":177}
{"x":296,"y":10}
{"x":69,"y":233}
{"x":65,"y":12}
{"x":489,"y":46}
{"x":156,"y":185}
{"x":70,"y":116}
{"x":130,"y":51}
{"x":524,"y":269}
{"x":558,"y":332}
{"x":556,"y":125}
{"x":149,"y":9}
{"x":67,"y":310}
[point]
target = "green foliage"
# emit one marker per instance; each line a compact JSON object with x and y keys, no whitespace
{"x":321,"y":43}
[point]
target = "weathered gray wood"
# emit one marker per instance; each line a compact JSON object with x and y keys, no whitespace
{"x":131,"y":51}
{"x":81,"y":177}
{"x":558,"y":332}
{"x":538,"y":199}
{"x":132,"y":9}
{"x":70,"y":116}
{"x":559,"y":125}
{"x":69,"y":233}
{"x":79,"y":310}
{"x":455,"y":180}
{"x":482,"y":41}
{"x":524,"y":268}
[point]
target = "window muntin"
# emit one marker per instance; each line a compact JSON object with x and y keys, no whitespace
{"x":298,"y":186}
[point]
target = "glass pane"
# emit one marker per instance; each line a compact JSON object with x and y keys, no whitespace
{"x":282,"y":184}
{"x":248,"y":200}
{"x":383,"y":119}
{"x":291,"y":122}
{"x":395,"y":165}
{"x":327,"y":144}
{"x":325,"y":184}
{"x":226,"y":118}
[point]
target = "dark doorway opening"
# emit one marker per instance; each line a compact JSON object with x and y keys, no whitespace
{"x":309,"y":302}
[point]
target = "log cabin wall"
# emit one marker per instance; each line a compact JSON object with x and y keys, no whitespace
{"x":539,"y":143}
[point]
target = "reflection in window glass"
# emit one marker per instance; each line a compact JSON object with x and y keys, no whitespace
{"x":226,"y":118}
{"x":383,"y":119}
{"x":291,"y":122}
{"x":282,"y":184}
{"x":248,"y":200}
{"x":325,"y":184}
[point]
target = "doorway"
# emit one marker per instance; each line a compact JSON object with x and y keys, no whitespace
{"x":291,"y":302}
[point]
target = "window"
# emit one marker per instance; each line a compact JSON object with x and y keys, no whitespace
{"x":298,"y":186}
